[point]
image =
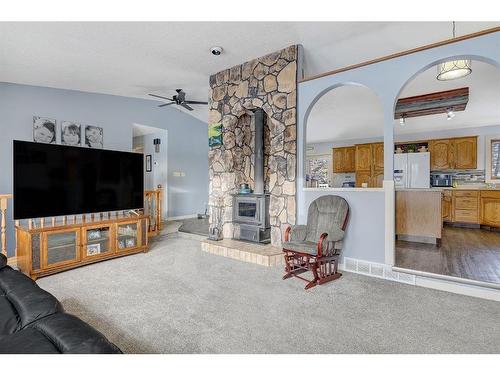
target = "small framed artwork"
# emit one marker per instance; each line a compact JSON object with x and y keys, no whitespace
{"x":71,"y":133}
{"x":215,"y":135}
{"x":44,"y":130}
{"x":94,"y":249}
{"x":93,"y":136}
{"x":149,"y":166}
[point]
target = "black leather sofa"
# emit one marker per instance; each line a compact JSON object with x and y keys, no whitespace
{"x":32,"y":321}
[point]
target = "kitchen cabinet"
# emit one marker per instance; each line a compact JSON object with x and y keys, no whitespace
{"x":364,"y":158}
{"x":471,"y":207}
{"x":343,"y":159}
{"x":440,"y":151}
{"x":350,"y":159}
{"x":453,"y":153}
{"x":446,"y":206}
{"x":377,"y":179}
{"x":490,"y":208}
{"x":466,"y":206}
{"x":378,"y":156}
{"x":418,"y":215}
{"x":363,"y":177}
{"x":370,"y":164}
{"x":465,"y":153}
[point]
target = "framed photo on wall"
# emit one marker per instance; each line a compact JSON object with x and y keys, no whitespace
{"x":93,"y":136}
{"x":149,"y":166}
{"x":44,"y":130}
{"x":71,"y":133}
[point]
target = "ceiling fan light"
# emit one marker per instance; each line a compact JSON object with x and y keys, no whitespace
{"x":453,"y":69}
{"x":402,"y":121}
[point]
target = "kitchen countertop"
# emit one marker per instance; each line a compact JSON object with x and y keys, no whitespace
{"x":438,"y":189}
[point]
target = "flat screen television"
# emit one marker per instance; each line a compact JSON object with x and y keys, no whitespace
{"x":55,"y":180}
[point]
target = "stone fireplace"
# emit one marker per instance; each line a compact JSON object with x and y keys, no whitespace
{"x":268,"y":83}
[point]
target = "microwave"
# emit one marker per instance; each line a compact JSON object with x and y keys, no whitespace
{"x":442,"y":180}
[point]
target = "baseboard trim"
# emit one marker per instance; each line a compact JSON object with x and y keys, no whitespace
{"x":458,"y":288}
{"x":192,"y":216}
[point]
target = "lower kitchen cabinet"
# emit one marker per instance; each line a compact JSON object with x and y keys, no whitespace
{"x":446,"y":206}
{"x":490,"y":208}
{"x":471,"y":207}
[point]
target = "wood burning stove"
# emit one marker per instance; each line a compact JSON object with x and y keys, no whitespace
{"x":251,"y":211}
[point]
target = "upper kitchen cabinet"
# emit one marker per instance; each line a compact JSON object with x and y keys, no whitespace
{"x":343,"y":159}
{"x":364,"y":157}
{"x":465,"y":153}
{"x":453,"y":153}
{"x":370,"y":164}
{"x":441,"y":154}
{"x":378,"y":156}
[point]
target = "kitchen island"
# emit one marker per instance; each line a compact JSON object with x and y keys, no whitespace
{"x":418,"y":215}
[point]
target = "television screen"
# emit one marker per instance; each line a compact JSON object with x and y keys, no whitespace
{"x":54,"y":180}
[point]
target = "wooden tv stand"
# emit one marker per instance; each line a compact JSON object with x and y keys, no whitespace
{"x":45,"y":250}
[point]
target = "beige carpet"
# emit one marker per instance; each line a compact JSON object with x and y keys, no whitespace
{"x":178,"y":299}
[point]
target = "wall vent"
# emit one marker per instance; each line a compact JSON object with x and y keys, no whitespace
{"x":373,"y":269}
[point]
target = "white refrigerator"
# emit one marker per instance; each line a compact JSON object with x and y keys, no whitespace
{"x":412,"y":170}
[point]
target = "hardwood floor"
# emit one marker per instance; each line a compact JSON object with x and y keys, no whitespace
{"x":467,"y":253}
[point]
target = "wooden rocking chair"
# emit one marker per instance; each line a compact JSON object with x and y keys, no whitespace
{"x":316,"y":246}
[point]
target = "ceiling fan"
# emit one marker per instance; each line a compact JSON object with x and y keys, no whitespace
{"x":179,"y":99}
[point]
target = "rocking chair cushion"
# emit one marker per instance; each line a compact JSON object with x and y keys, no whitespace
{"x":306,"y":247}
{"x":326,"y":214}
{"x":298,"y":232}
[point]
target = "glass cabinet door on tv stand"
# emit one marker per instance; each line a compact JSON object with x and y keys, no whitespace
{"x":97,"y":241}
{"x":60,"y":248}
{"x":127,"y":236}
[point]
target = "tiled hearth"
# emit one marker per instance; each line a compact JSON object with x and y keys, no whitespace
{"x":265,"y":255}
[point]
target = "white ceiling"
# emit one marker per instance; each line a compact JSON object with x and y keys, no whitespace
{"x":134,"y":58}
{"x":347,"y":112}
{"x":337,"y":115}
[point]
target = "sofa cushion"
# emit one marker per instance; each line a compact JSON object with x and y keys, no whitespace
{"x":9,"y":320}
{"x":71,"y":335}
{"x":27,"y":341}
{"x":28,"y":300}
{"x":3,"y":261}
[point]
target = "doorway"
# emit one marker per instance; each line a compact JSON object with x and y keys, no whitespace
{"x":152,"y":142}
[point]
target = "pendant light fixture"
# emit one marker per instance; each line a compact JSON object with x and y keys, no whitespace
{"x":453,"y":69}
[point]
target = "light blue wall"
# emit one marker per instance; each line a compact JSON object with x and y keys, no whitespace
{"x":365,"y":228}
{"x":386,"y":79}
{"x":187,"y":136}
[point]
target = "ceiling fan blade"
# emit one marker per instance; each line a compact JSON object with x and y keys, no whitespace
{"x":194,"y":102}
{"x":161,"y":97}
{"x":186,"y":106}
{"x":163,"y":105}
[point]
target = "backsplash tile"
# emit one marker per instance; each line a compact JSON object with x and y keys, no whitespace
{"x":469,"y":177}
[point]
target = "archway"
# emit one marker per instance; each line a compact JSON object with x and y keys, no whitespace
{"x":446,"y":217}
{"x":344,"y":128}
